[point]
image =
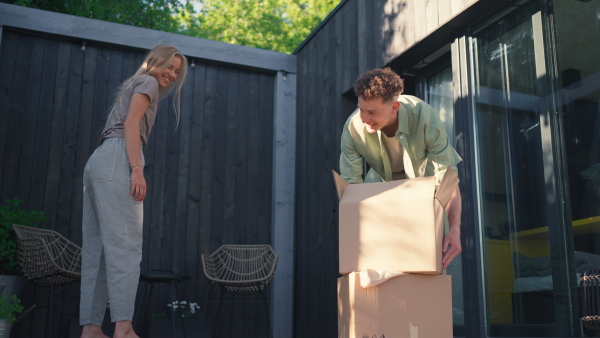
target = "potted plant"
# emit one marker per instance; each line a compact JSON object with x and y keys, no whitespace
{"x":10,"y":272}
{"x":11,"y":213}
{"x":184,"y":314}
{"x":9,"y":309}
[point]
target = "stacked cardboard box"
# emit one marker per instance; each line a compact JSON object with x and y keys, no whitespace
{"x":394,"y":226}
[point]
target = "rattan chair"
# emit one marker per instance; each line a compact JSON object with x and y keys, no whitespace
{"x":589,"y":283}
{"x":240,"y":269}
{"x":48,"y":258}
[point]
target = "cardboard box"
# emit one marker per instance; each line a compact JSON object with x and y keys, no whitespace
{"x":395,"y":226}
{"x":411,"y":306}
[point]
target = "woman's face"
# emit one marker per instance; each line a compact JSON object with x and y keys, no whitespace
{"x":166,"y":76}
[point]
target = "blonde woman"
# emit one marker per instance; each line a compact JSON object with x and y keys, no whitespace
{"x":114,"y":189}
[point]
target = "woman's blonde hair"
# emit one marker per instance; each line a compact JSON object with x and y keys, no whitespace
{"x":159,"y":58}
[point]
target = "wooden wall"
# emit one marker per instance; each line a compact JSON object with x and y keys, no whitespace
{"x":357,"y":36}
{"x":209,"y":180}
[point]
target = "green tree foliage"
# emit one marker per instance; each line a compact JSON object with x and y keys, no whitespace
{"x":279,"y":25}
{"x":163,"y":15}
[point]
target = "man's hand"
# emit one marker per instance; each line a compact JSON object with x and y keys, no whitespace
{"x":451,"y":247}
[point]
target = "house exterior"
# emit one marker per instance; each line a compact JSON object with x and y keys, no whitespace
{"x":515,"y":82}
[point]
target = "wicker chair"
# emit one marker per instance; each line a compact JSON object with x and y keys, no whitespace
{"x":47,"y":258}
{"x":240,"y":269}
{"x":589,"y":283}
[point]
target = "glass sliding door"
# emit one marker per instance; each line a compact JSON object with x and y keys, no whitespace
{"x":520,"y":206}
{"x":577,"y":93}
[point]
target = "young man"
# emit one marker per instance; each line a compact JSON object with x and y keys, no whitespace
{"x":399,"y":136}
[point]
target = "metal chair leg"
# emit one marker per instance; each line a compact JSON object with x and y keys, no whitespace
{"x":136,"y":315}
{"x":205,"y":308}
{"x":216,"y":327}
{"x":172,"y":315}
{"x":174,"y":287}
{"x":49,"y":313}
{"x":264,"y":297}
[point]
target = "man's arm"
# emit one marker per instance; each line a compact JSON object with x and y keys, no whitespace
{"x":351,"y":161}
{"x":452,"y":247}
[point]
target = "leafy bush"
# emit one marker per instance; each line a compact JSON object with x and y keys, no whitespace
{"x":11,"y":213}
{"x":9,"y":308}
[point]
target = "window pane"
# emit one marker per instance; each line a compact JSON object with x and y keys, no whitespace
{"x":440,"y":95}
{"x":515,"y":155}
{"x":577,"y":38}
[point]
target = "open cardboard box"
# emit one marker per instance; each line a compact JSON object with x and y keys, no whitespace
{"x":395,"y":226}
{"x":407,"y":306}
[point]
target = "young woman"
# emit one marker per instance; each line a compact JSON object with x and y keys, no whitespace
{"x":114,"y":189}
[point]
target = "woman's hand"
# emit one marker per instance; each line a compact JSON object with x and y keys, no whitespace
{"x":138,"y":184}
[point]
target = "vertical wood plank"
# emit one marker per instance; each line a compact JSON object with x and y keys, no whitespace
{"x":220,"y":133}
{"x":208,"y":139}
{"x":253,"y":160}
{"x":311,"y":195}
{"x":242,"y":156}
{"x":171,"y":168}
{"x":363,"y":31}
{"x":230,"y":184}
{"x":85,"y":137}
{"x":155,"y":156}
{"x":40,"y":160}
{"x":300,"y":273}
{"x":378,"y":22}
{"x":101,"y":92}
{"x":68,"y":180}
{"x":388,"y":31}
{"x":56,"y":136}
{"x":30,"y":116}
{"x":431,"y":15}
{"x":350,"y":17}
{"x":197,"y":242}
{"x":230,"y":157}
{"x":456,"y":6}
{"x":265,"y":157}
{"x":17,"y":120}
{"x":404,"y":26}
{"x":7,"y":72}
{"x":444,"y":11}
{"x":218,"y":159}
{"x":183,"y":179}
{"x":420,"y":20}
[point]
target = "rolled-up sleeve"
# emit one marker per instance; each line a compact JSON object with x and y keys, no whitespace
{"x":351,"y":161}
{"x":439,"y":150}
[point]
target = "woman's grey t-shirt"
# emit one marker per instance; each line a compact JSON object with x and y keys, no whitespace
{"x":144,"y":84}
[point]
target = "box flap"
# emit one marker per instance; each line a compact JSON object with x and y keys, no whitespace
{"x":384,"y":192}
{"x":447,"y":187}
{"x":340,"y":184}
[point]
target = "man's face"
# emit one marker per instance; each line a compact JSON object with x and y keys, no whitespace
{"x":377,"y":114}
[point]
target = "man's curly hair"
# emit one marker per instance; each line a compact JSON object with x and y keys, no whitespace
{"x":381,"y":82}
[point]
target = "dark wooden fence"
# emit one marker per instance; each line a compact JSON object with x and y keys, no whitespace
{"x":209,"y":179}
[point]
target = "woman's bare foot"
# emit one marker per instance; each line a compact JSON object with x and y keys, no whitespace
{"x":123,"y":329}
{"x":92,"y":331}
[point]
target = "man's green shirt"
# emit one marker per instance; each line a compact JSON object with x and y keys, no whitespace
{"x":426,"y":147}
